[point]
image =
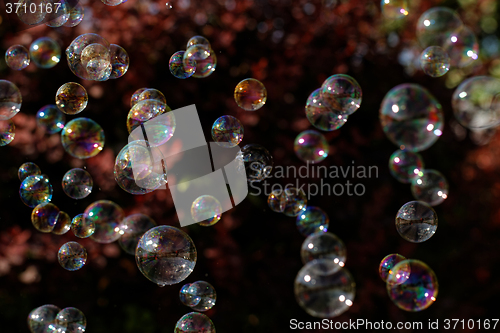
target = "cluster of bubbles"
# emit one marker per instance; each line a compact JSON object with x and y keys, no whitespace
{"x":49,"y":318}
{"x":199,"y":295}
{"x":53,"y":14}
{"x":199,"y":60}
{"x":10,"y":105}
{"x":250,"y":94}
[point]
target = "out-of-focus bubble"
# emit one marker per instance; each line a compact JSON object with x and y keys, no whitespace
{"x":113,"y":2}
{"x":133,"y":227}
{"x":321,"y":116}
{"x":35,"y":190}
{"x":199,"y":295}
{"x":311,"y":146}
{"x":411,"y":117}
{"x":77,"y":183}
{"x":72,"y":256}
{"x":418,"y":290}
{"x":435,"y":61}
{"x":7,"y":132}
{"x":82,"y":138}
{"x":476,"y":102}
{"x":323,"y":245}
{"x":250,"y":94}
{"x":17,"y":57}
{"x":177,"y":66}
{"x":96,"y":59}
{"x":405,"y":165}
{"x":430,"y":187}
{"x":257,"y":160}
{"x":63,"y":224}
{"x":50,"y":118}
{"x":387,"y":264}
{"x":120,"y":61}
{"x":274,"y":201}
{"x":198,"y":40}
{"x":75,"y":16}
{"x":416,"y":221}
{"x":435,"y":25}
{"x":40,"y":318}
{"x":462,"y":47}
{"x":72,"y":320}
{"x":165,"y":255}
{"x":394,"y":9}
{"x":28,"y":169}
{"x":342,"y":93}
{"x":71,"y":98}
{"x":227,"y":131}
{"x":45,"y":52}
{"x":107,"y":217}
{"x":44,"y":217}
{"x":31,"y":15}
{"x":10,"y":100}
{"x":204,"y":67}
{"x":311,"y":220}
{"x":194,"y":322}
{"x":82,"y":227}
{"x":207,"y":210}
{"x":323,"y":290}
{"x":293,"y":201}
{"x":58,"y":16}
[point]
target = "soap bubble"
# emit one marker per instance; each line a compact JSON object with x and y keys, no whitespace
{"x":75,"y":15}
{"x":72,"y":320}
{"x":35,"y":190}
{"x":323,"y":290}
{"x":107,"y":217}
{"x":227,"y":131}
{"x":158,"y":132}
{"x":63,"y":224}
{"x":96,"y":59}
{"x":135,"y":97}
{"x":10,"y":100}
{"x":411,"y":117}
{"x":29,"y":16}
{"x":165,"y":255}
{"x":40,"y":318}
{"x":17,"y":57}
{"x":204,"y":67}
{"x":44,"y":217}
{"x":72,"y":256}
{"x":82,"y":227}
{"x":50,"y":118}
{"x":323,"y":245}
{"x":75,"y":57}
{"x":435,"y":25}
{"x":293,"y":202}
{"x":462,"y":47}
{"x":321,"y":116}
{"x":250,"y":94}
{"x":152,"y":94}
{"x":28,"y":169}
{"x":312,"y":219}
{"x":120,"y":61}
{"x":194,"y":322}
{"x":82,"y":138}
{"x":71,"y":98}
{"x":45,"y":52}
{"x":198,"y":40}
{"x":387,"y":264}
{"x":418,"y":291}
{"x":133,"y":227}
{"x":476,"y":102}
{"x":435,"y":61}
{"x":57,"y":19}
{"x":199,"y":295}
{"x":341,"y":93}
{"x":77,"y":183}
{"x":196,"y":53}
{"x":405,"y":165}
{"x":311,"y":146}
{"x":430,"y":187}
{"x":257,"y":160}
{"x":177,"y":66}
{"x":274,"y":201}
{"x":394,"y":9}
{"x":207,"y":210}
{"x":416,"y":221}
{"x":7,"y":132}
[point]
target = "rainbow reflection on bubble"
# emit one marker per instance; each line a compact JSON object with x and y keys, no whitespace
{"x":82,"y":138}
{"x":386,"y":265}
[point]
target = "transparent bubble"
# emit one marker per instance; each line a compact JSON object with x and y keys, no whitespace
{"x":250,"y":94}
{"x":207,"y":210}
{"x":165,"y":255}
{"x":40,"y":318}
{"x":133,"y":227}
{"x":71,"y":98}
{"x":112,"y":2}
{"x":341,"y":93}
{"x":199,"y":295}
{"x":312,"y":219}
{"x":144,"y":110}
{"x":50,"y":118}
{"x":57,"y":19}
{"x":435,"y":25}
{"x":82,"y":138}
{"x":204,"y":67}
{"x":75,"y":16}
{"x":152,"y":94}
{"x":77,"y":183}
{"x":82,"y":227}
{"x":72,"y":320}
{"x":476,"y":102}
{"x":63,"y":224}
{"x":120,"y":61}
{"x":194,"y":322}
{"x":198,"y":40}
{"x":176,"y":66}
{"x":107,"y":217}
{"x":293,"y":202}
{"x":323,"y":245}
{"x":74,"y":54}
{"x":35,"y":190}
{"x":44,"y":217}
{"x":435,"y":61}
{"x":10,"y":100}
{"x":311,"y":146}
{"x":96,"y":59}
{"x":194,"y":54}
{"x":135,"y":97}
{"x":28,"y":169}
{"x":158,"y":132}
{"x":72,"y":256}
{"x":321,"y":116}
{"x":227,"y":131}
{"x":405,"y":165}
{"x":274,"y":201}
{"x":462,"y":47}
{"x":411,"y":117}
{"x":7,"y":132}
{"x":257,"y":160}
{"x":418,"y":291}
{"x":394,"y":9}
{"x":31,"y":15}
{"x":323,"y":290}
{"x":430,"y":187}
{"x":17,"y":57}
{"x":45,"y":52}
{"x":387,"y":264}
{"x":416,"y":221}
{"x":399,"y":275}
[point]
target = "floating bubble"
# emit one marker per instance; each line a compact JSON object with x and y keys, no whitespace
{"x":274,"y":201}
{"x":257,"y":160}
{"x":96,"y":59}
{"x":435,"y":25}
{"x":10,"y":100}
{"x":74,"y":55}
{"x":387,"y":264}
{"x":176,"y":66}
{"x":323,"y":290}
{"x":35,"y":190}
{"x":44,"y":217}
{"x":199,"y":295}
{"x":72,"y":256}
{"x":194,"y":54}
{"x":40,"y":318}
{"x":399,"y":275}
{"x":198,"y":40}
{"x":207,"y":210}
{"x":165,"y":255}
{"x":435,"y":61}
{"x":71,"y":98}
{"x":411,"y":117}
{"x":29,"y":14}
{"x":323,"y":245}
{"x":50,"y":118}
{"x":17,"y":57}
{"x":416,"y":221}
{"x":120,"y":61}
{"x":82,"y":138}
{"x":227,"y":131}
{"x":45,"y":52}
{"x":77,"y":183}
{"x":158,"y":132}
{"x":59,"y":18}
{"x":250,"y":94}
{"x":462,"y":47}
{"x":204,"y":67}
{"x":72,"y":320}
{"x":82,"y":227}
{"x":76,"y":14}
{"x":341,"y":93}
{"x":321,"y":116}
{"x":312,"y":219}
{"x":133,"y":227}
{"x":194,"y":322}
{"x":63,"y":223}
{"x":405,"y":165}
{"x":311,"y":146}
{"x":135,"y":97}
{"x":294,"y":201}
{"x":28,"y":169}
{"x":7,"y":132}
{"x":394,"y":9}
{"x":430,"y":187}
{"x":107,"y":217}
{"x":152,"y":94}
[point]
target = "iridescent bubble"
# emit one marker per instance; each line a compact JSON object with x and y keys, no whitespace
{"x":72,"y":320}
{"x":274,"y":201}
{"x":35,"y":190}
{"x":399,"y":275}
{"x":44,"y":217}
{"x":120,"y":61}
{"x":82,"y":138}
{"x":63,"y":224}
{"x":10,"y":100}
{"x":176,"y":66}
{"x":257,"y":160}
{"x":321,"y":116}
{"x":311,"y":146}
{"x":135,"y":97}
{"x":204,"y":67}
{"x":411,"y":117}
{"x":387,"y":264}
{"x":194,"y":54}
{"x":227,"y":131}
{"x":76,"y":14}
{"x":199,"y":295}
{"x":416,"y":221}
{"x":394,"y":9}
{"x":207,"y":210}
{"x":50,"y":118}
{"x":342,"y":93}
{"x":17,"y":57}
{"x":430,"y":187}
{"x":71,"y":98}
{"x":96,"y":59}
{"x":435,"y":61}
{"x":40,"y":318}
{"x":418,"y":291}
{"x":82,"y":227}
{"x":72,"y":256}
{"x":7,"y":132}
{"x":158,"y":132}
{"x":250,"y":94}
{"x":323,"y":245}
{"x":74,"y":54}
{"x":152,"y":94}
{"x":294,"y":201}
{"x":45,"y":52}
{"x":57,"y":18}
{"x":435,"y":25}
{"x":28,"y":169}
{"x":323,"y":290}
{"x":133,"y":227}
{"x":405,"y":165}
{"x":107,"y":217}
{"x":29,"y":14}
{"x":194,"y":322}
{"x":165,"y":255}
{"x":77,"y":183}
{"x":198,"y":40}
{"x":312,"y":219}
{"x":462,"y":47}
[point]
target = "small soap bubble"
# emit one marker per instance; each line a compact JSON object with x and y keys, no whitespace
{"x":250,"y":94}
{"x":430,"y":187}
{"x":321,"y":116}
{"x":199,"y":295}
{"x":311,"y":146}
{"x":50,"y":118}
{"x":323,"y":245}
{"x":416,"y":221}
{"x":40,"y":318}
{"x":107,"y":217}
{"x":71,"y":98}
{"x":207,"y":210}
{"x":227,"y":131}
{"x":394,"y":9}
{"x":435,"y":61}
{"x":120,"y":61}
{"x":293,"y":201}
{"x":311,"y":220}
{"x":341,"y":93}
{"x":132,"y":229}
{"x":44,"y":217}
{"x":198,"y":40}
{"x":76,"y":14}
{"x":257,"y":161}
{"x":17,"y":57}
{"x":10,"y":100}
{"x":82,"y":227}
{"x":462,"y":47}
{"x":45,"y":52}
{"x":274,"y":201}
{"x":96,"y":59}
{"x":435,"y":25}
{"x":7,"y":132}
{"x":194,"y":322}
{"x":165,"y":255}
{"x":405,"y":165}
{"x":28,"y":169}
{"x":35,"y":190}
{"x":82,"y":138}
{"x":72,"y":320}
{"x":177,"y":66}
{"x":387,"y":264}
{"x":63,"y":224}
{"x":77,"y":183}
{"x":72,"y":256}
